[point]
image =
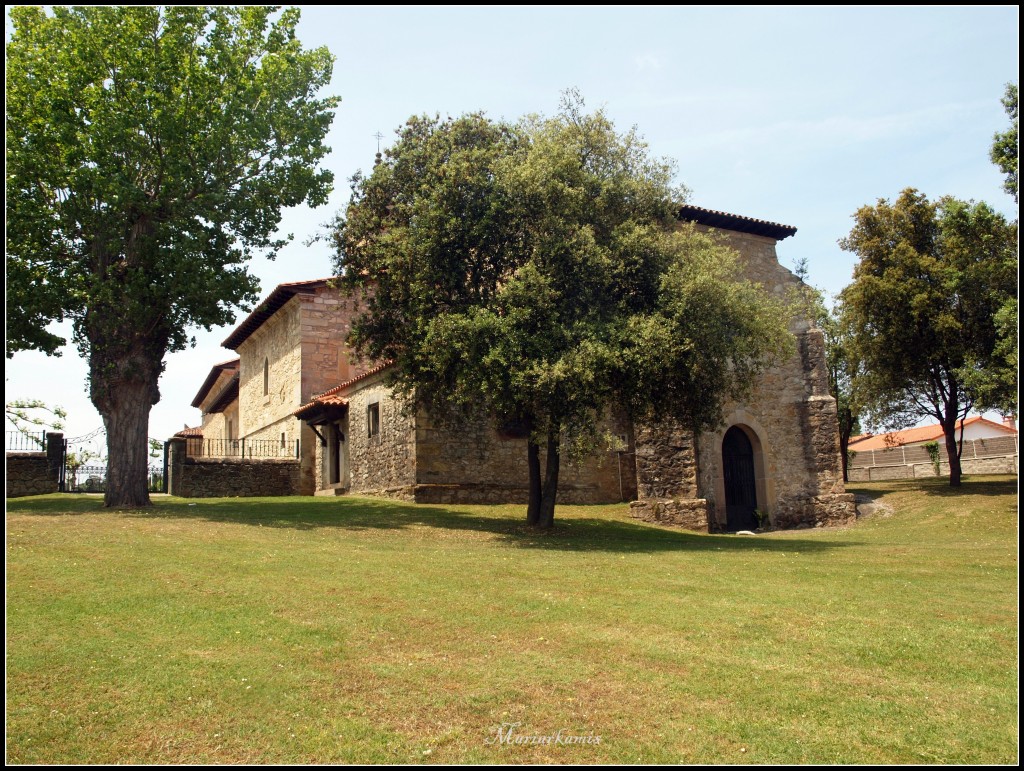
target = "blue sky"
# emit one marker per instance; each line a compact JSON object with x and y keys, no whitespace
{"x":798,"y":116}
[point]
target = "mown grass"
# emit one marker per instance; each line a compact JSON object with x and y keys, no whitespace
{"x":306,"y":630}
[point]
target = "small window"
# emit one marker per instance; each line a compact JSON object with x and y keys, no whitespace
{"x":373,"y":419}
{"x":266,"y":377}
{"x":283,"y":441}
{"x":231,"y":434}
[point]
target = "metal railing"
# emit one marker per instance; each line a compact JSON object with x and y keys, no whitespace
{"x":93,"y":479}
{"x":85,"y":479}
{"x":197,"y":447}
{"x":21,"y":441}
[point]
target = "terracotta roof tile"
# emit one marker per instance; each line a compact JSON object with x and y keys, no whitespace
{"x":913,"y":435}
{"x":332,"y":396}
{"x":737,"y":222}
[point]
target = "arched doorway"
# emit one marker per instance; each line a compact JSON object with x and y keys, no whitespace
{"x":740,"y":483}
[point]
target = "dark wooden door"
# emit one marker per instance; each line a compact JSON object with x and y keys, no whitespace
{"x":336,"y":440}
{"x":740,"y":488}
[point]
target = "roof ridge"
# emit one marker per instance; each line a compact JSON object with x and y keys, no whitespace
{"x":372,"y":371}
{"x":739,"y":222}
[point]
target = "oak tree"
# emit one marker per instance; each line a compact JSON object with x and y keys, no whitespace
{"x":150,"y":151}
{"x":535,"y":273}
{"x":923,"y":307}
{"x":1004,"y":144}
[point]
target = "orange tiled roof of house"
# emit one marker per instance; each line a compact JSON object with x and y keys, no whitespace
{"x":914,"y":435}
{"x":332,"y":397}
{"x":187,"y":432}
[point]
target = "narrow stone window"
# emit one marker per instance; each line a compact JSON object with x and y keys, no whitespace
{"x":283,"y":442}
{"x":266,"y":377}
{"x":373,"y":419}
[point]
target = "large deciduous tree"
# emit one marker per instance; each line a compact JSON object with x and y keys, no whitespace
{"x":534,"y":273}
{"x":923,"y":307}
{"x":997,"y":384}
{"x":150,"y":152}
{"x":1004,"y":145}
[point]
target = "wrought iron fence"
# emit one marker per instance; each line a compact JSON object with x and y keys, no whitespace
{"x":93,"y":479}
{"x":20,"y":441}
{"x":85,"y":479}
{"x":197,"y":447}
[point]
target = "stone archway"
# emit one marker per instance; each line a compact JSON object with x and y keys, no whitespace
{"x":740,"y":480}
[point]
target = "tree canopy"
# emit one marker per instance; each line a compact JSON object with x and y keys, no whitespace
{"x":923,"y":307}
{"x":150,"y":151}
{"x":534,"y":272}
{"x":1004,"y":144}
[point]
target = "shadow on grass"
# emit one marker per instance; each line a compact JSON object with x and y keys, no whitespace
{"x":939,"y":486}
{"x":571,"y":533}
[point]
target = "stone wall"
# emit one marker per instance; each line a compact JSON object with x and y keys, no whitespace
{"x":29,"y":473}
{"x":666,"y":466}
{"x":1007,"y":464}
{"x":791,"y":422}
{"x":277,"y":341}
{"x":432,"y":461}
{"x":326,"y":320}
{"x":216,"y":424}
{"x":474,"y":463}
{"x":304,"y":343}
{"x":759,"y":262}
{"x":666,"y":472}
{"x":789,"y":418}
{"x":229,"y":477}
{"x":384,"y":464}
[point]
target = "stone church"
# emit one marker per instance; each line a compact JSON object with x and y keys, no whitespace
{"x":773,"y":462}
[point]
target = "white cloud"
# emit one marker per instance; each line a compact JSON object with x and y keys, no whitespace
{"x":838,"y":130}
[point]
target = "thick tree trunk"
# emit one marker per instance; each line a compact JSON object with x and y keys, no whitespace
{"x":547,"y":503}
{"x":124,"y":390}
{"x":533,"y":461}
{"x":951,"y":412}
{"x":954,"y":457}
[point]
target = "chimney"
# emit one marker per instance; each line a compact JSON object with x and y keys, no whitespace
{"x":1010,"y":422}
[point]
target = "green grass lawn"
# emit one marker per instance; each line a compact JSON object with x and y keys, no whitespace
{"x":302,"y":630}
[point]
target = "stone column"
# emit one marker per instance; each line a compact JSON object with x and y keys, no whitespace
{"x":175,"y":466}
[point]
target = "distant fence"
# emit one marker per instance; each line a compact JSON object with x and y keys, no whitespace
{"x":85,"y":479}
{"x":197,"y":447}
{"x":20,"y":441}
{"x":93,"y":479}
{"x":998,"y":455}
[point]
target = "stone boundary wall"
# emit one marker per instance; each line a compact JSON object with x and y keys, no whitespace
{"x":29,"y":473}
{"x":1007,"y":464}
{"x":917,"y":454}
{"x":230,"y":477}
